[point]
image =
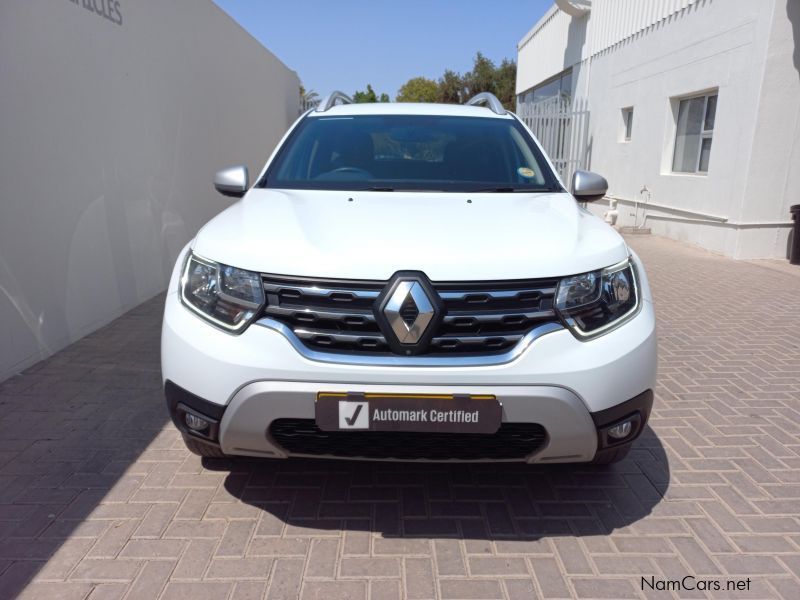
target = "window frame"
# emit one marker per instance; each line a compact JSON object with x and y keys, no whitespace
{"x":704,"y":134}
{"x":627,"y":123}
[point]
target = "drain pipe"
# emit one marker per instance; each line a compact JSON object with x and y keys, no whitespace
{"x":642,"y":192}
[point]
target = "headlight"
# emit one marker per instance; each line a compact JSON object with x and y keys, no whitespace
{"x":226,"y":296}
{"x":593,"y":303}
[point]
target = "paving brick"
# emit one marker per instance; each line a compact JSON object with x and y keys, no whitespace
{"x":287,"y":576}
{"x":113,"y":540}
{"x":273,"y":546}
{"x":471,"y":589}
{"x":497,"y":566}
{"x":751,"y":565}
{"x":419,"y":580}
{"x":155,"y":521}
{"x":369,"y":567}
{"x":250,"y":590}
{"x":617,"y":589}
{"x":103,"y":569}
{"x":108,"y":591}
{"x":151,"y":580}
{"x":357,"y":539}
{"x":334,"y":590}
{"x":550,"y":578}
{"x":573,"y":556}
{"x":197,"y":590}
{"x":195,"y":529}
{"x":695,"y":556}
{"x":195,"y":559}
{"x":239,"y":568}
{"x":152,"y":549}
{"x":623,"y":565}
{"x":384,"y":589}
{"x":236,"y":538}
{"x":322,"y":558}
{"x":449,"y":557}
{"x":69,"y":554}
{"x":519,"y":589}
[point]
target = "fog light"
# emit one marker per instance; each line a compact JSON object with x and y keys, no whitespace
{"x":194,"y":422}
{"x":620,"y":430}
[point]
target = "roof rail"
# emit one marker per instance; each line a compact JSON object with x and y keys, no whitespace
{"x":329,"y":101}
{"x":490,"y":100}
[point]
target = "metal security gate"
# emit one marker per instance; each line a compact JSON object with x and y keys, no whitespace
{"x":561,"y":124}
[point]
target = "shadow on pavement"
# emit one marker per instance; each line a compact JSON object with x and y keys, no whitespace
{"x":76,"y":431}
{"x":486,"y":501}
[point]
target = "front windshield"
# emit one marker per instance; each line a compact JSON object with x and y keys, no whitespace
{"x":410,"y":152}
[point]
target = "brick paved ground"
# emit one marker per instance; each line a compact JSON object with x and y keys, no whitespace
{"x":99,"y":498}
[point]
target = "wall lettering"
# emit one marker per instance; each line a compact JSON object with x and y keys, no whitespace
{"x":110,"y":9}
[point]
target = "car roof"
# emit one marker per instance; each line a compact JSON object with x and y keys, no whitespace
{"x":408,"y":108}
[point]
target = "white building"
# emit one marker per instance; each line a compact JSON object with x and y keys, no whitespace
{"x":696,"y":102}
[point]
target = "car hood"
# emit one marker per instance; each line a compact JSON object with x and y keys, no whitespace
{"x":448,"y":236}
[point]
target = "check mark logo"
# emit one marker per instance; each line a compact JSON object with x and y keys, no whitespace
{"x":351,"y":420}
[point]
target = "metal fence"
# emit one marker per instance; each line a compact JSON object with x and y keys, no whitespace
{"x":561,"y":124}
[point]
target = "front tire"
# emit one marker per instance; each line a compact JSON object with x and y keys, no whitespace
{"x":203,"y":449}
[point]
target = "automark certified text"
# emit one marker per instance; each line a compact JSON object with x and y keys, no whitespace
{"x":424,"y":415}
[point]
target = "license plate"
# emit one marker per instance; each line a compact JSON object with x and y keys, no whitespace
{"x":455,"y":413}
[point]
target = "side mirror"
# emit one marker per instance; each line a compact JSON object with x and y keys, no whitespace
{"x":232,"y":181}
{"x":588,"y":186}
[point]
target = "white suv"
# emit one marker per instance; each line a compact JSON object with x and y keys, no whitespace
{"x":409,"y":281}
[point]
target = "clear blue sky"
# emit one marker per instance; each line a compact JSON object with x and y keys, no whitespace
{"x":346,"y":44}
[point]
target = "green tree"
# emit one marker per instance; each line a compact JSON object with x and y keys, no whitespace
{"x":418,"y":89}
{"x":368,"y":96}
{"x":506,"y":83}
{"x":482,"y":78}
{"x":451,"y":88}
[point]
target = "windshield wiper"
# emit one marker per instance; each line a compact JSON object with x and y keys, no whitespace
{"x":502,"y":190}
{"x":509,"y":189}
{"x":378,"y":189}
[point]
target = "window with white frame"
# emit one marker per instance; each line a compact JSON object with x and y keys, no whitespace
{"x":627,"y":123}
{"x":693,"y":133}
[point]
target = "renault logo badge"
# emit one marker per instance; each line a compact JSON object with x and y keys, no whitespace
{"x":407,"y":311}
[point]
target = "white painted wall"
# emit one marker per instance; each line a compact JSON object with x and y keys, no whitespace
{"x":554,"y":44}
{"x":748,"y":52}
{"x":109,"y":137}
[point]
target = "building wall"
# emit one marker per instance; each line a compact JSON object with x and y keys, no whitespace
{"x":112,"y":126}
{"x":554,"y":44}
{"x":558,"y":41}
{"x":773,"y":173}
{"x":748,"y":52}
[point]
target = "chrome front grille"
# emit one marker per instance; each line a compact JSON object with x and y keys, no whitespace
{"x":478,"y":318}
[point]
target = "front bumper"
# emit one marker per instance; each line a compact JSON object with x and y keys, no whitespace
{"x":244,"y":426}
{"x":558,"y":381}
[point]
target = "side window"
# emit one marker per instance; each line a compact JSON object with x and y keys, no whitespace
{"x":694,"y":131}
{"x":627,"y":123}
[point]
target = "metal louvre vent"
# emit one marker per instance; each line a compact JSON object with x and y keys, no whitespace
{"x":512,"y":441}
{"x":479,"y":318}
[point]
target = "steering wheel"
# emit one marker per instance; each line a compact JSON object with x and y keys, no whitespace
{"x":347,"y":171}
